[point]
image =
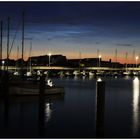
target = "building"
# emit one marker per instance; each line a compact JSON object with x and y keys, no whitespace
{"x":55,"y":60}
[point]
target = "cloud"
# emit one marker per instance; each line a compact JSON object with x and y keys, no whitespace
{"x":97,"y":43}
{"x":124,"y":44}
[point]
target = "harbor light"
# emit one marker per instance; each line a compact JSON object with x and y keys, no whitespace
{"x":136,"y":60}
{"x":137,"y":57}
{"x":99,"y":80}
{"x":99,"y":60}
{"x":49,"y":54}
{"x":49,"y":58}
{"x":3,"y":62}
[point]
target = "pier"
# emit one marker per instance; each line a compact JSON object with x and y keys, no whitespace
{"x":11,"y":68}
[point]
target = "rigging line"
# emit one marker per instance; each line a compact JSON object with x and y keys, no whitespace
{"x":14,"y":38}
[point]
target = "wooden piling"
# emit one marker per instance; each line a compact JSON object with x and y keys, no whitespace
{"x":41,"y":116}
{"x":100,"y":108}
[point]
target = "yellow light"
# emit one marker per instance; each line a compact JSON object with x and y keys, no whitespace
{"x":99,"y":80}
{"x":49,"y":54}
{"x":137,"y":57}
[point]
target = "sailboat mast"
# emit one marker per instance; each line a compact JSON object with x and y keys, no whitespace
{"x":22,"y":38}
{"x":1,"y":24}
{"x":126,"y":55}
{"x":98,"y":52}
{"x":17,"y":58}
{"x":8,"y":32}
{"x":22,"y":53}
{"x":79,"y":59}
{"x":116,"y":55}
{"x":133,"y":59}
{"x":30,"y":56}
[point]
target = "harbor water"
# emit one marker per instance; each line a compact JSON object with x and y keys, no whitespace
{"x":73,"y":115}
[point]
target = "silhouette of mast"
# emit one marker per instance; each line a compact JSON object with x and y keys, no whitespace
{"x":79,"y":59}
{"x":30,"y":56}
{"x":126,"y":55}
{"x":22,"y":54}
{"x":133,"y":59}
{"x":17,"y":59}
{"x":8,"y":32}
{"x":116,"y":55}
{"x":98,"y":57}
{"x":22,"y":36}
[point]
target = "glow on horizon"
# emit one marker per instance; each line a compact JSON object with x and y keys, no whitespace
{"x":71,"y":52}
{"x":75,"y":55}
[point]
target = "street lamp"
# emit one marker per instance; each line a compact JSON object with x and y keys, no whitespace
{"x":49,"y":58}
{"x":99,"y":59}
{"x":3,"y":64}
{"x":136,"y":60}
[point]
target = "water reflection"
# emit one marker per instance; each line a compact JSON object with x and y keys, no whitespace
{"x":84,"y":78}
{"x":127,"y":77}
{"x":48,"y":112}
{"x":135,"y":105}
{"x":24,"y":117}
{"x":91,"y":77}
{"x":76,"y":77}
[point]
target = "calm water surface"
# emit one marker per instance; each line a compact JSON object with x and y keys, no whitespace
{"x":74,"y":114}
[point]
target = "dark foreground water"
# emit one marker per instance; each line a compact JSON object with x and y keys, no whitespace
{"x":74,"y":114}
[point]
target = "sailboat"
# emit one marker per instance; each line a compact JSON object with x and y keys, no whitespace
{"x":22,"y":86}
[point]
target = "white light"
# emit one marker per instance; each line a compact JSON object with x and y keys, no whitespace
{"x":49,"y":82}
{"x":100,"y":56}
{"x":48,"y":112}
{"x":99,"y":80}
{"x":29,"y":73}
{"x":16,"y":73}
{"x":135,"y":105}
{"x":3,"y":62}
{"x":49,"y":54}
{"x":137,"y":57}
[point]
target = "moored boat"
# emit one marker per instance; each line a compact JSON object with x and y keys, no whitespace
{"x":34,"y":90}
{"x":25,"y":87}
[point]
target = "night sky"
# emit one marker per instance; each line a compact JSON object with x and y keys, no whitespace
{"x":71,"y":27}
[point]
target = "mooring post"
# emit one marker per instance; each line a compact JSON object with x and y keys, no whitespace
{"x":41,"y":114}
{"x":41,"y":106}
{"x":100,"y":108}
{"x":42,"y":85}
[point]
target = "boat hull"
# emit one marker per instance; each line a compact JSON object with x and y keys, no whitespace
{"x":15,"y":90}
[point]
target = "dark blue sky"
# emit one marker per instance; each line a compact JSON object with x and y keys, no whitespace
{"x":72,"y":27}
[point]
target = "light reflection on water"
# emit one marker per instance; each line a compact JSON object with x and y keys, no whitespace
{"x":76,"y":77}
{"x":48,"y":112}
{"x":135,"y":105}
{"x":73,"y":115}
